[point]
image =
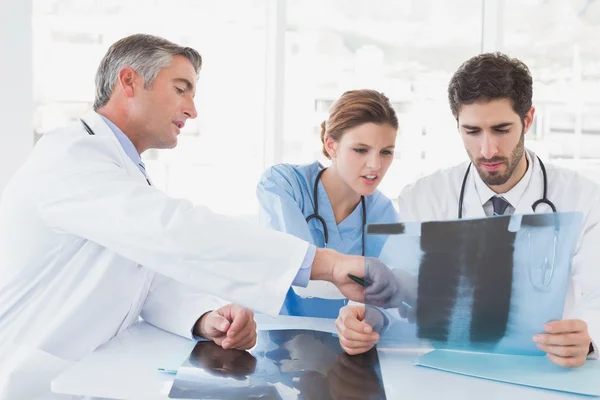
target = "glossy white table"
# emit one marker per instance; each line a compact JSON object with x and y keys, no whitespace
{"x":126,"y":368}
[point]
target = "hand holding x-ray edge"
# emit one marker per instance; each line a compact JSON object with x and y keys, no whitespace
{"x":358,"y":332}
{"x":566,"y":342}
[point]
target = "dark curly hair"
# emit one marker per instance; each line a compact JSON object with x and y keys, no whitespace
{"x":491,"y":76}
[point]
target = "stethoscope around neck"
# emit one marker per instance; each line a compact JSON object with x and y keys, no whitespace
{"x":316,"y":215}
{"x":544,"y":200}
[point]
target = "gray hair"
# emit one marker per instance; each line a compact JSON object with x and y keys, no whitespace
{"x":145,"y":54}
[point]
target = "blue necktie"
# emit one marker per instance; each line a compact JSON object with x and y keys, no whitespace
{"x":143,"y":169}
{"x":500,"y":205}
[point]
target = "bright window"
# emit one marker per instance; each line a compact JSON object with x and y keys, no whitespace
{"x":220,"y":154}
{"x":560,"y":46}
{"x":260,"y":102}
{"x":406,"y":49}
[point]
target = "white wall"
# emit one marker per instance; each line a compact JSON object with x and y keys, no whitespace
{"x":16,"y":87}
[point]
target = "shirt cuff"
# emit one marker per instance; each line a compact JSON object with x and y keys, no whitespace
{"x":303,"y":275}
{"x":195,"y":337}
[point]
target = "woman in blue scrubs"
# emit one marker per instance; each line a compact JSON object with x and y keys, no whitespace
{"x":329,"y":207}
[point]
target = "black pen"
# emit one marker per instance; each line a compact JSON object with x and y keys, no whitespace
{"x":365,"y":283}
{"x":360,"y":281}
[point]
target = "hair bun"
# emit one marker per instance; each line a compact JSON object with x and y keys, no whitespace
{"x":323,"y":132}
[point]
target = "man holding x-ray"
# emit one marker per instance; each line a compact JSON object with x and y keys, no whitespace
{"x":491,"y":98}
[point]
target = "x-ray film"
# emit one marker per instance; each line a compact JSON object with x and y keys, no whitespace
{"x":284,"y":364}
{"x":485,"y":285}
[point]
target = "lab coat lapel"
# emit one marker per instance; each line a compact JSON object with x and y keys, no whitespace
{"x":534,"y":190}
{"x":472,"y":207}
{"x":531,"y":195}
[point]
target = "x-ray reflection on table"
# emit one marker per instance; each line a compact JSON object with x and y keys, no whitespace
{"x":285,"y":364}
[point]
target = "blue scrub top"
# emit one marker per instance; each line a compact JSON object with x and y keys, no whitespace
{"x":285,"y":196}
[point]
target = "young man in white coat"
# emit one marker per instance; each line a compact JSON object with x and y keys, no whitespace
{"x":491,"y":98}
{"x":88,"y":245}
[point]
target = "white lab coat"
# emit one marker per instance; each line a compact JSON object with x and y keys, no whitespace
{"x":436,"y":197}
{"x":87,"y":246}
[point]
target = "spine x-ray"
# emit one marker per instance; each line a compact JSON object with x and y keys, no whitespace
{"x":485,"y":284}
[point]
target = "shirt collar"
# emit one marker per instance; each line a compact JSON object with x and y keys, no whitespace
{"x":125,"y":142}
{"x":514,"y":195}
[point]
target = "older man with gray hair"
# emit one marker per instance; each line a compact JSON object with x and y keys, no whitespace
{"x":88,"y":245}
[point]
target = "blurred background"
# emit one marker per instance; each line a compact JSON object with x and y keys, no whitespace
{"x":272,"y":68}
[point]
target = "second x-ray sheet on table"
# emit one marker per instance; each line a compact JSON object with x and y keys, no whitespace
{"x":484,"y":284}
{"x":284,"y":364}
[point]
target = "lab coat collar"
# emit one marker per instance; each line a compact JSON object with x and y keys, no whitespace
{"x":101,"y":128}
{"x":125,"y":142}
{"x":97,"y":123}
